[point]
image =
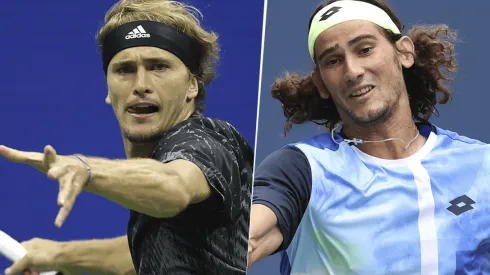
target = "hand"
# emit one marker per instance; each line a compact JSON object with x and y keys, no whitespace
{"x":42,"y":255}
{"x":68,"y":171}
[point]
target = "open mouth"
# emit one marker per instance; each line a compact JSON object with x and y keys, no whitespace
{"x":143,"y":109}
{"x":362,"y":92}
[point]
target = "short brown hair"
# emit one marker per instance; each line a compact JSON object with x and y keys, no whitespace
{"x":175,"y":14}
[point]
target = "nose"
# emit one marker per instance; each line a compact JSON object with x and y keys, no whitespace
{"x":141,"y":83}
{"x":354,"y":71}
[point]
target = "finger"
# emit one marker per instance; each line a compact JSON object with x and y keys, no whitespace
{"x":18,"y":266}
{"x":27,"y":244}
{"x":49,"y":156}
{"x":63,"y":213}
{"x":31,"y":158}
{"x":66,"y":198}
{"x":66,"y":188}
{"x":57,"y":172}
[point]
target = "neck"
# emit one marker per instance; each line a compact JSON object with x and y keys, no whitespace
{"x":138,"y":150}
{"x":396,"y":126}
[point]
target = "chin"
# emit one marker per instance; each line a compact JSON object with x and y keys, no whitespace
{"x":142,"y":135}
{"x":371,"y":116}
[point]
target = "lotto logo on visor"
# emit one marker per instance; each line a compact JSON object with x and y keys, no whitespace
{"x":329,"y":13}
{"x":137,"y":32}
{"x":343,"y":11}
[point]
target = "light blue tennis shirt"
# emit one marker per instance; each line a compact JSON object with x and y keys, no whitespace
{"x":425,"y":214}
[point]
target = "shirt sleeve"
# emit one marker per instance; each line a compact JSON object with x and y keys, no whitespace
{"x":283,"y":182}
{"x":218,"y":164}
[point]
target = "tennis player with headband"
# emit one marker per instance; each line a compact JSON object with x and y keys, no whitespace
{"x":384,"y":191}
{"x":188,"y":178}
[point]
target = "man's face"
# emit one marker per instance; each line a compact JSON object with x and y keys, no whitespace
{"x":360,"y":70}
{"x":150,"y":90}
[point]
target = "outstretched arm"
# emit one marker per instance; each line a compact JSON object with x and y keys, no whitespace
{"x":144,"y":185}
{"x":282,"y":187}
{"x":148,"y":186}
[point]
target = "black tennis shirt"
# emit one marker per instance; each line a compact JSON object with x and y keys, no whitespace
{"x":210,"y":237}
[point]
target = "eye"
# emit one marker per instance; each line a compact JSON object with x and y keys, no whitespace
{"x":125,"y":70}
{"x":159,"y":67}
{"x":366,"y":50}
{"x":331,"y":62}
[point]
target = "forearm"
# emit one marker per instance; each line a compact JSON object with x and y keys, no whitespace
{"x":265,"y":236}
{"x":263,"y":246}
{"x":102,"y":257}
{"x":143,"y":185}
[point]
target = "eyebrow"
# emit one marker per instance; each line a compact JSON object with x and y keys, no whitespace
{"x":151,"y":60}
{"x":350,"y":43}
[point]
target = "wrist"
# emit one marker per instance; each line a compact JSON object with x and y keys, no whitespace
{"x":63,"y":257}
{"x":88,"y":170}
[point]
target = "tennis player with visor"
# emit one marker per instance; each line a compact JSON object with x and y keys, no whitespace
{"x":384,"y":191}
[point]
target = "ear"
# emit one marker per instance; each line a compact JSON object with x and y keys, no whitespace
{"x":318,"y":81}
{"x":108,"y":100}
{"x":406,"y":51}
{"x":193,"y":88}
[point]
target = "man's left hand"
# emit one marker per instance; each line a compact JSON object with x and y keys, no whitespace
{"x":67,"y":170}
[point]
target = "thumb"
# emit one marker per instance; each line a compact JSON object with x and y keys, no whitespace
{"x":18,"y":266}
{"x":49,"y":156}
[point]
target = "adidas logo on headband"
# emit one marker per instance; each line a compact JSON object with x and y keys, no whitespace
{"x":137,"y":32}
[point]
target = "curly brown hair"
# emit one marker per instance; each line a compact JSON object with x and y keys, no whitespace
{"x":425,"y":80}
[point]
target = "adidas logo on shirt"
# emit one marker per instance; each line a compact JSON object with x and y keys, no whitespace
{"x":138,"y":32}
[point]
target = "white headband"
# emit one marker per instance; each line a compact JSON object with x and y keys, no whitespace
{"x":342,"y":11}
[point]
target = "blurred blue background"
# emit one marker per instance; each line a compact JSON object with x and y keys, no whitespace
{"x":54,"y":91}
{"x":285,"y":49}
